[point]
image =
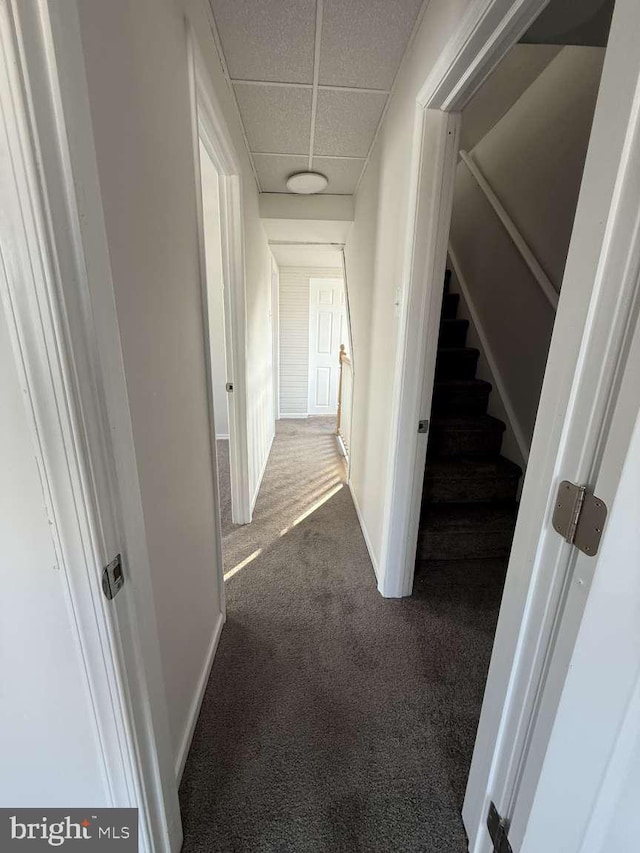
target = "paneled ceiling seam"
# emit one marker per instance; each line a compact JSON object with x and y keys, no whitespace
{"x":321,"y":86}
{"x":407,"y":50}
{"x":237,"y":82}
{"x":225,"y":70}
{"x":316,"y":74}
{"x":327,"y":88}
{"x":293,"y":154}
{"x":315,"y":87}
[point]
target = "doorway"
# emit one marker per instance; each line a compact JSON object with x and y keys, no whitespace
{"x":223,"y":290}
{"x":496,"y":316}
{"x":538,"y":586}
{"x":218,"y":335}
{"x":437,"y":161}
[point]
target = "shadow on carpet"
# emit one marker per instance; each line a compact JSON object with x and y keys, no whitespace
{"x":336,"y":720}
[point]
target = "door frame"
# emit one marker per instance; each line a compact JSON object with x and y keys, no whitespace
{"x":485,"y":36}
{"x":275,"y":331}
{"x":587,"y":353}
{"x":55,"y":282}
{"x":209,"y":128}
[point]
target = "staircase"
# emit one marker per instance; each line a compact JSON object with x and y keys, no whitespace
{"x":469,"y":494}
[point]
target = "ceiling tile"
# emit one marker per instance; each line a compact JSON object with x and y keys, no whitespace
{"x":267,"y":39}
{"x":343,"y":175}
{"x":363,"y":41}
{"x":274,"y":171}
{"x":346,"y":122}
{"x":276,"y":118}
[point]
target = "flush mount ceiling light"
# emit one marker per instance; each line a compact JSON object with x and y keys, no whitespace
{"x":306,"y":183}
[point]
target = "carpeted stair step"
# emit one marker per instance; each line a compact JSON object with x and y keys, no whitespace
{"x":466,"y":531}
{"x":475,"y":435}
{"x":456,"y":363}
{"x":450,"y":305}
{"x":469,"y":479}
{"x":460,"y":397}
{"x":453,"y":333}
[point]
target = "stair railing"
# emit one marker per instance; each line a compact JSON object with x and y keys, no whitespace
{"x":345,"y":397}
{"x":512,"y":230}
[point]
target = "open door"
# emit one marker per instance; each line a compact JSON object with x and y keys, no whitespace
{"x":586,"y":417}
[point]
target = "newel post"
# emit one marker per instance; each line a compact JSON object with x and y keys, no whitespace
{"x":338,"y":419}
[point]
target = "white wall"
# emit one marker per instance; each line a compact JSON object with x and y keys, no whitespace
{"x":374,"y":267}
{"x":50,"y":753}
{"x":215,"y":292}
{"x":136,"y":61}
{"x":320,"y":219}
{"x":499,"y":92}
{"x":294,"y":335}
{"x":533,"y":159}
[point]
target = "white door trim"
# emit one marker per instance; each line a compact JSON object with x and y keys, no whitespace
{"x":210,"y":128}
{"x":275,"y":330}
{"x":589,"y":338}
{"x":57,"y":290}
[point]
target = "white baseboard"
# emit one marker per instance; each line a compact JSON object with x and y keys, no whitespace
{"x":341,"y":447}
{"x":222,"y":436}
{"x":256,"y":491}
{"x":194,"y":710}
{"x":365,"y":532}
{"x":285,"y":416}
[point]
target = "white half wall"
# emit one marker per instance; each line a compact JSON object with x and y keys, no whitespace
{"x":138,"y":79}
{"x":306,"y":219}
{"x":48,"y":743}
{"x":294,"y":336}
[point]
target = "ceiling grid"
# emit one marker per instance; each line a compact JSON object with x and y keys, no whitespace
{"x":312,"y":79}
{"x":316,"y":70}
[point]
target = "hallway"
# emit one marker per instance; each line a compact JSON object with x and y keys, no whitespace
{"x":304,"y":466}
{"x":334,"y":720}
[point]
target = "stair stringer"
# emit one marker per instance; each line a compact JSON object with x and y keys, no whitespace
{"x":515,"y":446}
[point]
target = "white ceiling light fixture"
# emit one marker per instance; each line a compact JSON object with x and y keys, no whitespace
{"x":307,"y":183}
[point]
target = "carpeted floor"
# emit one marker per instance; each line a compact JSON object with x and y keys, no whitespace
{"x":304,"y":465}
{"x":334,"y":720}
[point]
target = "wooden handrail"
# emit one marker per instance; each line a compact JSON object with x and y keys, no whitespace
{"x":344,"y":359}
{"x":510,"y":227}
{"x":341,"y":358}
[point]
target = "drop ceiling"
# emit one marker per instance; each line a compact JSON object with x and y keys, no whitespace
{"x":312,"y":79}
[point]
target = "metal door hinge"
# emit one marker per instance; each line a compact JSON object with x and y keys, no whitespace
{"x":229,"y":386}
{"x":498,"y":829}
{"x":579,"y":517}
{"x":113,"y":578}
{"x":423,"y":426}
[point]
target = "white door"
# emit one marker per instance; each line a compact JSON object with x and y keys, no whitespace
{"x":327,"y":330}
{"x":593,"y":750}
{"x":585,"y":420}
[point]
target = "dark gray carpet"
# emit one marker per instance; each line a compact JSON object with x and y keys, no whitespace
{"x":335,"y":720}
